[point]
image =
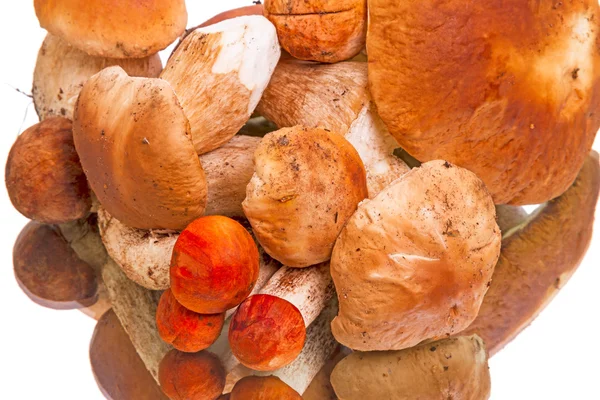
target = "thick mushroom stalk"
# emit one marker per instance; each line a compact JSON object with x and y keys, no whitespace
{"x":61,"y":70}
{"x":539,"y":255}
{"x":335,"y":97}
{"x":219,"y":73}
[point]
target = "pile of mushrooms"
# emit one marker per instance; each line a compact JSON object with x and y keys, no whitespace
{"x":324,"y":221}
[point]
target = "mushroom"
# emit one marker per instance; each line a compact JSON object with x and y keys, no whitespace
{"x":135,"y":147}
{"x":263,"y":388}
{"x":334,"y":97}
{"x":455,"y":368}
{"x":118,"y":369}
{"x":61,"y":70}
{"x":538,"y":257}
{"x":256,"y":9}
{"x":123,"y":29}
{"x":517,"y":100}
{"x":219,"y":73}
{"x":307,"y":183}
{"x":326,"y":31}
{"x":415,"y":262}
{"x":320,"y":387}
{"x":44,"y":178}
{"x":49,"y":271}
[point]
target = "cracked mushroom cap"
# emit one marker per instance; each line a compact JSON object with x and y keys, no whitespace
{"x":517,"y":81}
{"x":135,"y":146}
{"x":116,"y":29}
{"x":454,"y":368}
{"x":415,"y":262}
{"x":307,"y":183}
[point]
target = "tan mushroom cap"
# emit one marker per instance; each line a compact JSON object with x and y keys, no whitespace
{"x":117,"y":29}
{"x":415,"y":262}
{"x":507,"y":89}
{"x":307,"y":183}
{"x":61,"y":70}
{"x":136,"y":150}
{"x":454,"y":368}
{"x":538,"y":258}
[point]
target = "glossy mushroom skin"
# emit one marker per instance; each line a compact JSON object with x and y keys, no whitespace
{"x":114,"y":28}
{"x":455,"y":368}
{"x":538,"y":258}
{"x":307,"y":183}
{"x":415,"y":262}
{"x":517,"y":81}
{"x":44,"y":177}
{"x":61,"y":70}
{"x":263,"y":388}
{"x":136,"y":150}
{"x":319,"y":30}
{"x":49,"y":271}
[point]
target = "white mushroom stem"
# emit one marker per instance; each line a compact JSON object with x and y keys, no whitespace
{"x":334,"y":97}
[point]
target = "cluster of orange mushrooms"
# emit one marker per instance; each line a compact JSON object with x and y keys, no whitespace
{"x":313,"y":199}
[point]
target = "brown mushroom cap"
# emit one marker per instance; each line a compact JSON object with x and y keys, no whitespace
{"x":136,"y":150}
{"x":513,"y":80}
{"x":61,"y":70}
{"x":538,"y":258}
{"x":263,"y":388}
{"x":49,"y":271}
{"x":454,"y":368}
{"x":415,"y":262}
{"x":307,"y":183}
{"x":117,"y":29}
{"x":117,"y":367}
{"x":44,"y":178}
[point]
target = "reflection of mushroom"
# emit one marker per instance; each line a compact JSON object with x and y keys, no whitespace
{"x":517,"y":100}
{"x":263,"y":388}
{"x":44,"y":178}
{"x":415,"y":262}
{"x":334,"y":97}
{"x":135,"y":147}
{"x":118,"y":369}
{"x":538,"y":257}
{"x":219,"y":73}
{"x":121,"y":29}
{"x":454,"y":368}
{"x":307,"y":183}
{"x":61,"y":70}
{"x":326,"y":31}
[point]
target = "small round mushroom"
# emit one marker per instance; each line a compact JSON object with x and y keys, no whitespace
{"x":415,"y":262}
{"x":319,"y":30}
{"x":454,"y":368}
{"x":136,"y":150}
{"x":118,"y":29}
{"x":49,"y":271}
{"x":191,"y":376}
{"x":61,"y":70}
{"x":307,"y":183}
{"x":263,"y":388}
{"x":44,"y":177}
{"x":266,"y":333}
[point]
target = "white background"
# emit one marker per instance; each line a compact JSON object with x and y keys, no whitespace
{"x":44,"y":353}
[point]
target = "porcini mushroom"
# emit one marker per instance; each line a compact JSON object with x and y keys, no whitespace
{"x":124,"y":29}
{"x":61,"y":70}
{"x":517,"y":99}
{"x":326,"y":31}
{"x":334,"y":97}
{"x":135,"y":147}
{"x":415,"y":262}
{"x":307,"y":183}
{"x":44,"y":177}
{"x":263,"y":388}
{"x":219,"y":73}
{"x":453,"y":368}
{"x":539,"y":256}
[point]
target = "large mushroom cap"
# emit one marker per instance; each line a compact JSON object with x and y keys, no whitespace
{"x":136,"y":150}
{"x":454,"y":368}
{"x":117,"y":29}
{"x":415,"y":262}
{"x":507,"y":89}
